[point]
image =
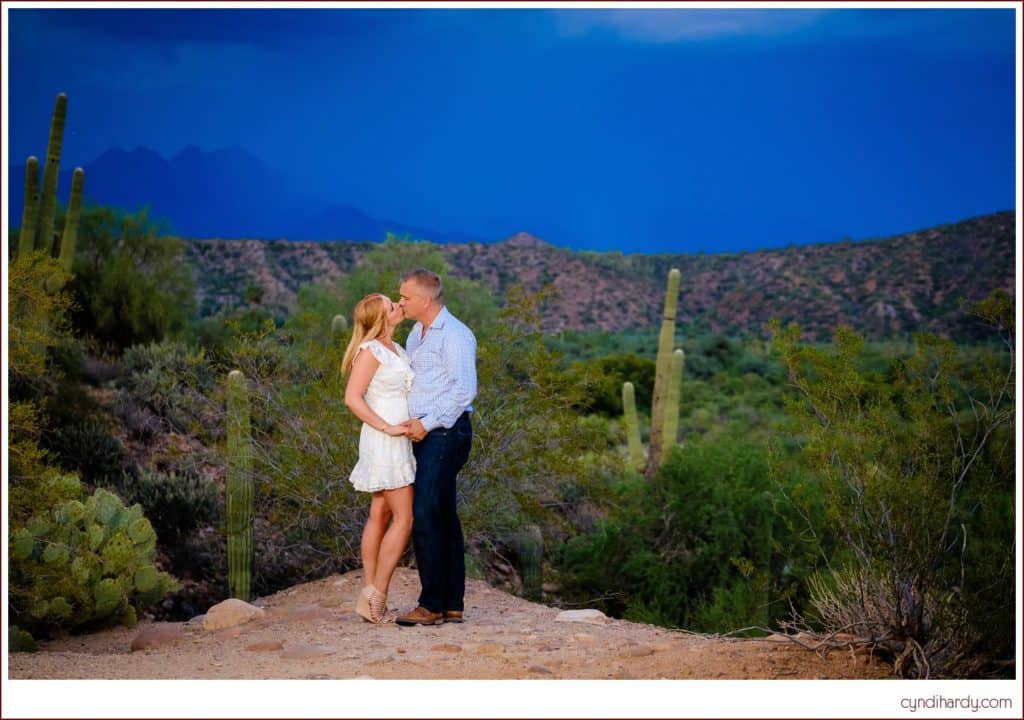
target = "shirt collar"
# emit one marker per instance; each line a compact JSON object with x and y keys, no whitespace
{"x":441,"y":318}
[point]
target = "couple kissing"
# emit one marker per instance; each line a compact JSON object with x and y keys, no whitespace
{"x":415,"y":404}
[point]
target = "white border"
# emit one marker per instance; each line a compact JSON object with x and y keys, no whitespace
{"x":508,"y":698}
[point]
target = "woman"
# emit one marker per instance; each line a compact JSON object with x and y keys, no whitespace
{"x":379,"y":381}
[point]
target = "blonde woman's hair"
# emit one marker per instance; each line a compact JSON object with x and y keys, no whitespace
{"x":369,"y":323}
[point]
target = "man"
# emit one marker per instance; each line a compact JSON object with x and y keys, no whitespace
{"x":443,"y":355}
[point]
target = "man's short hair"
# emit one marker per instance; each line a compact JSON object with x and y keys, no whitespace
{"x":429,"y":281}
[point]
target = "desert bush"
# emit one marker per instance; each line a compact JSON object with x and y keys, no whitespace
{"x":915,"y":472}
{"x":176,"y":504}
{"x":700,"y":547}
{"x":174,"y":381}
{"x":84,"y":563}
{"x":131,"y":284}
{"x":88,"y":449}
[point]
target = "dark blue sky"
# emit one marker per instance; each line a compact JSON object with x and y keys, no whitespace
{"x":640,"y":130}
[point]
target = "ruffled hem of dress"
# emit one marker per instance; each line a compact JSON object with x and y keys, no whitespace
{"x":382,"y":477}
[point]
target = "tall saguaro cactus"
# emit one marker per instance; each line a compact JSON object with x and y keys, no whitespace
{"x":663,"y":371}
{"x":238,"y":491}
{"x":667,"y":388}
{"x":40,"y":211}
{"x":636,"y":449}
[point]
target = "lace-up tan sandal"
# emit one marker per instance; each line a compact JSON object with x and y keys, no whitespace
{"x":363,"y":603}
{"x":379,"y":607}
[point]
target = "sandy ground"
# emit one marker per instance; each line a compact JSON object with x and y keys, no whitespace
{"x":310,"y":632}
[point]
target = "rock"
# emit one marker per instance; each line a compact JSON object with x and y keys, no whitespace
{"x":540,"y":670}
{"x":639,"y":650}
{"x":400,"y":651}
{"x":153,"y":636}
{"x":661,"y":647}
{"x":229,"y":613}
{"x":584,"y":638}
{"x":228,"y":633}
{"x":594,"y":617}
{"x":305,"y":652}
{"x":490,"y":649}
{"x":266,"y":646}
{"x":446,"y":647}
{"x":197,"y":620}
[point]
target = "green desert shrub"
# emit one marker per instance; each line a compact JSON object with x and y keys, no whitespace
{"x":88,"y":449}
{"x":919,"y":477}
{"x":175,"y":503}
{"x":131,"y":283}
{"x":84,"y":563}
{"x":174,"y":381}
{"x":701,"y":546}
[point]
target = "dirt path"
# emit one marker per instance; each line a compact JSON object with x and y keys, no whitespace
{"x":310,"y":632}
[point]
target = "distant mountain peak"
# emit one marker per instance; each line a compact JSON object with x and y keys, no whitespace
{"x":526,"y":240}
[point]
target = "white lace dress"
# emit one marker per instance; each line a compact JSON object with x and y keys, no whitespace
{"x":386,"y":462}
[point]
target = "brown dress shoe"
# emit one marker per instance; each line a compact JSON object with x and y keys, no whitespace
{"x":420,"y":616}
{"x":454,"y":616}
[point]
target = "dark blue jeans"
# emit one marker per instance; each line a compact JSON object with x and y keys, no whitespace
{"x":436,"y":531}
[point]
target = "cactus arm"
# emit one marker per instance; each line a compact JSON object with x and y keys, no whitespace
{"x":30,"y":213}
{"x":666,"y":342}
{"x":48,"y":201}
{"x":636,"y":449}
{"x":671,"y":432}
{"x":238,"y":490}
{"x":70,"y":237}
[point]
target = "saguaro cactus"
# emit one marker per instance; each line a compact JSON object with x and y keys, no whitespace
{"x":531,"y":553}
{"x":238,"y":489}
{"x":339,"y":325}
{"x":40,"y":211}
{"x":666,"y":343}
{"x":636,"y":449}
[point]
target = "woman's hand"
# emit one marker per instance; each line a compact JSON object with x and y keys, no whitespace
{"x":397,"y":430}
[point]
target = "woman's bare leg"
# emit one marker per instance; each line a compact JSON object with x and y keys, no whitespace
{"x":373,"y":534}
{"x":395,"y":540}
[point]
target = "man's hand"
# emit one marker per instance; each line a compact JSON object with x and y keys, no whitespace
{"x":416,"y":431}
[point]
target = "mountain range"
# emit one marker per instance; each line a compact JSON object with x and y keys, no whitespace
{"x":883,"y":288}
{"x":188,"y":192}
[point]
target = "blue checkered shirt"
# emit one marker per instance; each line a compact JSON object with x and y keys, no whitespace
{"x":445,"y":365}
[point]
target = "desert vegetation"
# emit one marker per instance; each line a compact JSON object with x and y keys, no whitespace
{"x":850,"y":480}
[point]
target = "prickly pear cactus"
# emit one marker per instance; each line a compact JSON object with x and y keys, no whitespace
{"x":85,"y":562}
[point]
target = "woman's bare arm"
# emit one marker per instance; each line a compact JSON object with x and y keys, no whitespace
{"x":363,"y":368}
